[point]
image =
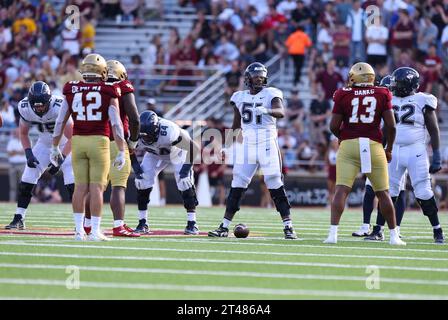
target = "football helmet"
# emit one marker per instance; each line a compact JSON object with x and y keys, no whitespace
{"x":361,"y":74}
{"x":39,"y":96}
{"x":116,"y":70}
{"x":94,"y":66}
{"x":404,"y":82}
{"x":256,"y":69}
{"x":385,"y":82}
{"x":149,"y":126}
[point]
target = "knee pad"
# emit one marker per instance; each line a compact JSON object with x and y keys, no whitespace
{"x":190,"y":199}
{"x":70,"y":188}
{"x":143,"y":198}
{"x":234,"y":199}
{"x":25,"y":194}
{"x":280,"y":200}
{"x":429,"y":207}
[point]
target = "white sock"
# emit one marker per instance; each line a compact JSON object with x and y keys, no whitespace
{"x":366,"y":226}
{"x":226,"y":223}
{"x":287,"y":223}
{"x":333,"y":231}
{"x":79,"y":219}
{"x":142,"y":214}
{"x":382,"y":228}
{"x":162,"y":201}
{"x":118,"y":223}
{"x":21,"y":211}
{"x":96,"y":222}
{"x":191,"y":216}
{"x":436,"y":227}
{"x":87,"y":223}
{"x":393,"y":233}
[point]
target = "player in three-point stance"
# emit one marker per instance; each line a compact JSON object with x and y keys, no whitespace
{"x":255,"y":112}
{"x":356,"y":121}
{"x":165,"y":143}
{"x":92,"y":104}
{"x":40,"y":108}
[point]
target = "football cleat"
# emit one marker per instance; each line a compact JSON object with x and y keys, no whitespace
{"x":128,"y":228}
{"x":362,"y":232}
{"x":122,"y":231}
{"x":438,"y":236}
{"x":16,"y":223}
{"x":290,"y":233}
{"x":220,"y":232}
{"x":142,"y":227}
{"x":87,"y":230}
{"x":397,"y":242}
{"x":376,"y":235}
{"x":331,"y":240}
{"x":97,"y":237}
{"x":191,"y":228}
{"x":80,"y":236}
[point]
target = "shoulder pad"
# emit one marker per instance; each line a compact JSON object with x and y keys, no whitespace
{"x":430,"y":100}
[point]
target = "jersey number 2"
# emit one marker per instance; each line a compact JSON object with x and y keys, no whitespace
{"x":87,"y":113}
{"x":370,"y":104}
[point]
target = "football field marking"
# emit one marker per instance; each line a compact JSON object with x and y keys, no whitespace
{"x":222,"y":261}
{"x":225,"y":273}
{"x":180,"y":250}
{"x":224,"y":289}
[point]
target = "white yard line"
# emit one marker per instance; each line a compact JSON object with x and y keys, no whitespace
{"x":295,"y":254}
{"x":225,"y":289}
{"x":185,"y":272}
{"x":221,"y":261}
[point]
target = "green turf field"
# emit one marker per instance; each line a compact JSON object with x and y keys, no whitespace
{"x":263,"y":266}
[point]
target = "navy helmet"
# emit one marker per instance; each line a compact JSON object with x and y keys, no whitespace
{"x":255,"y":69}
{"x":385,"y":81}
{"x":39,"y":97}
{"x":404,"y":82}
{"x":149,"y":126}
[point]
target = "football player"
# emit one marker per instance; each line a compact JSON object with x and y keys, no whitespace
{"x":92,"y":104}
{"x":356,"y":121}
{"x":131,"y":125}
{"x":40,"y":108}
{"x":165,"y":143}
{"x":415,"y":114}
{"x":256,"y":111}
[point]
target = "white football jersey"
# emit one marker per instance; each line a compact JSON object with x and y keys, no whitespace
{"x":256,"y":128}
{"x":46,"y":123}
{"x":410,"y":118}
{"x":169,"y":134}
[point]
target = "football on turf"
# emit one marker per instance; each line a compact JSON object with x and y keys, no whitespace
{"x":241,"y":230}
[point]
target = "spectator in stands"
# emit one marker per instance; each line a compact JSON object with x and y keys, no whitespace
{"x":17,"y":161}
{"x":7,"y":114}
{"x":328,"y":16}
{"x":342,"y":9}
{"x":341,"y":45}
{"x":301,"y":16}
{"x":324,"y":37}
{"x":427,"y":35}
{"x":256,"y":47}
{"x":87,"y":34}
{"x":201,"y":28}
{"x":329,"y":80}
{"x":110,"y":8}
{"x":432,"y":70}
{"x":130,"y":9}
{"x":297,"y":43}
{"x":320,"y":112}
{"x":286,"y":7}
{"x":279,"y":37}
{"x":405,"y":60}
{"x":185,"y":61}
{"x":355,"y":22}
{"x":402,"y":34}
{"x":5,"y":36}
{"x":295,"y":110}
{"x":52,"y":58}
{"x":234,"y":79}
{"x":376,"y":38}
{"x":226,"y":49}
{"x":306,"y":155}
{"x":288,"y":146}
{"x":49,"y":22}
{"x":70,"y":40}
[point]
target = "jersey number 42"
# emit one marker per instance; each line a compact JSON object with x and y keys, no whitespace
{"x":90,"y":111}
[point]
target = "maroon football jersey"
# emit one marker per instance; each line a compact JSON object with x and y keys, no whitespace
{"x":362,"y":109}
{"x":89,"y":104}
{"x":125,"y":87}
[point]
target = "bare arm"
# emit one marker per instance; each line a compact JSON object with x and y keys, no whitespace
{"x":236,"y":126}
{"x":131,"y":110}
{"x":277,"y":111}
{"x":433,"y":127}
{"x":391,"y":131}
{"x":68,"y":133}
{"x":335,"y":124}
{"x":61,"y":121}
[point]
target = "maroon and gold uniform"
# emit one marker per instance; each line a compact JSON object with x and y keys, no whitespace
{"x":89,"y":105}
{"x":361,"y":109}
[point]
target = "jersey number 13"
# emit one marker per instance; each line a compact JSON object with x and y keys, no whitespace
{"x":370,"y":106}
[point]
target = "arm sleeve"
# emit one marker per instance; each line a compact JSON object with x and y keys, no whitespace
{"x":60,"y":119}
{"x":115,"y":121}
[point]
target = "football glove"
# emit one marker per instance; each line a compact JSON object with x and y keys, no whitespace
{"x":185,"y":183}
{"x":52,"y":169}
{"x":55,"y":156}
{"x":31,"y":160}
{"x":132,"y":144}
{"x":120,"y":160}
{"x":436,"y":164}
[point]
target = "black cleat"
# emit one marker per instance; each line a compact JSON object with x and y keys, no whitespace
{"x":376,"y":235}
{"x":16,"y":223}
{"x":221,"y":232}
{"x":438,"y":236}
{"x":142,"y":227}
{"x":289,"y":233}
{"x":191,"y":228}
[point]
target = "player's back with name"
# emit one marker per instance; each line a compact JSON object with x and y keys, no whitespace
{"x":89,"y":103}
{"x":362,"y":110}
